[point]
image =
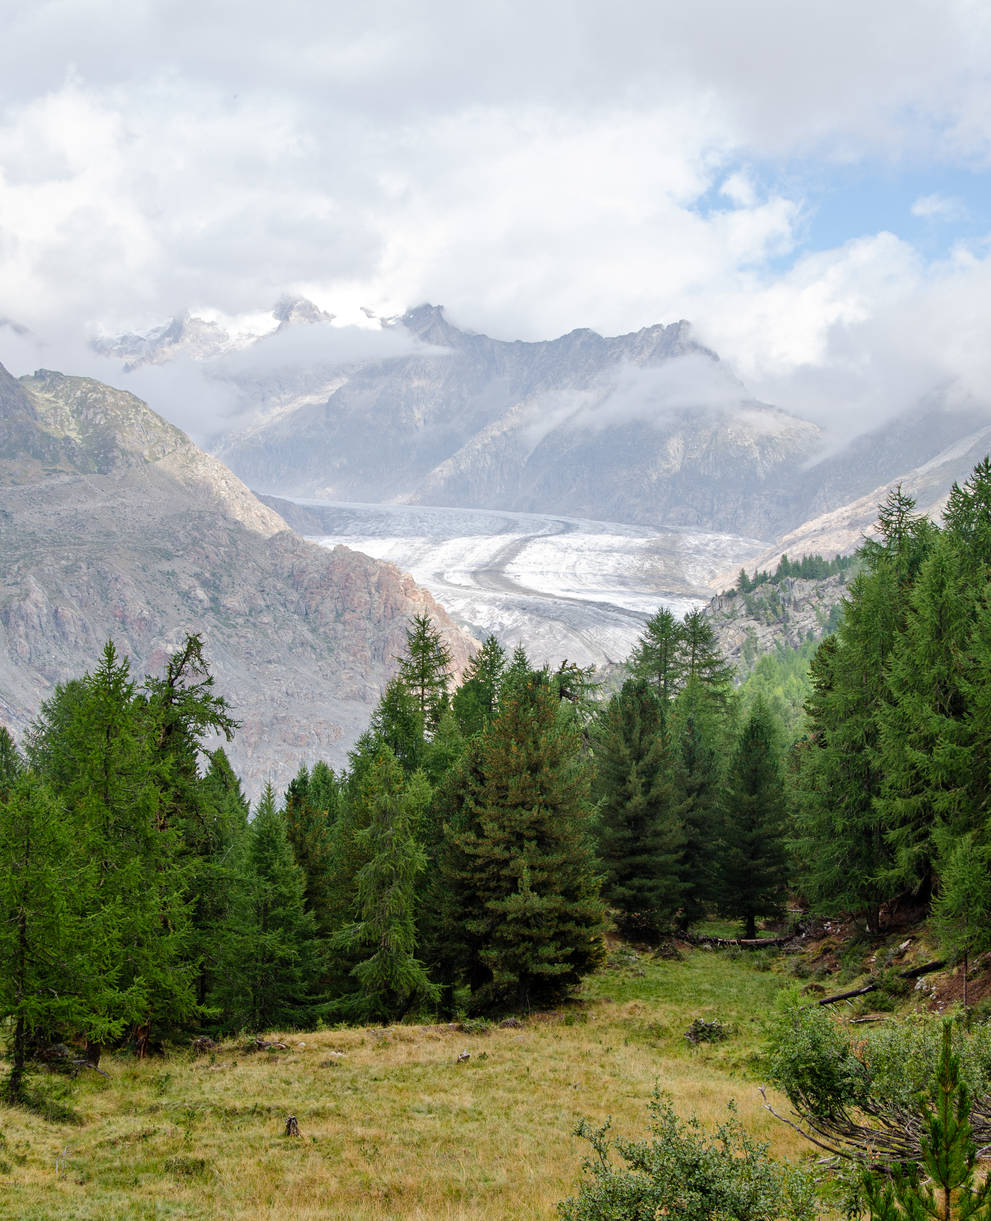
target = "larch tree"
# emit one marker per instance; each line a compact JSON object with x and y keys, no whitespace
{"x":59,"y":958}
{"x":657,"y":655}
{"x":426,"y":670}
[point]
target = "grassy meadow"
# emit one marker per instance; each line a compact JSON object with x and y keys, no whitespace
{"x":391,"y":1124}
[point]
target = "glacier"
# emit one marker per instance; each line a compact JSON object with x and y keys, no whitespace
{"x":566,"y":588}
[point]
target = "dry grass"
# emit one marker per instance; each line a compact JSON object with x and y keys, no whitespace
{"x":392,"y":1126}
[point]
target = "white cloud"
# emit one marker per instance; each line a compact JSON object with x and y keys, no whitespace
{"x":939,"y":207}
{"x":531,"y":167}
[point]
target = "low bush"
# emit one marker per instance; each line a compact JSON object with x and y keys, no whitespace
{"x":683,"y":1174}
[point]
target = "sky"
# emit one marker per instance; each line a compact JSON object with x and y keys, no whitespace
{"x":809,"y":184}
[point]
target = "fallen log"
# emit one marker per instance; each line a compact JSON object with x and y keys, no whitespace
{"x":748,"y":943}
{"x":912,"y":973}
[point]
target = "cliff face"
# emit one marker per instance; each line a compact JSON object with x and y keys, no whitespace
{"x":113,"y":524}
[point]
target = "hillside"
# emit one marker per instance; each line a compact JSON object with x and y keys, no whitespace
{"x":113,"y":524}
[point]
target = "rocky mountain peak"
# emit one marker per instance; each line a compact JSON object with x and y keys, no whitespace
{"x":428,"y":322}
{"x":290,"y":311}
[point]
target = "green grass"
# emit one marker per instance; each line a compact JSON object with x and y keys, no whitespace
{"x":392,"y":1126}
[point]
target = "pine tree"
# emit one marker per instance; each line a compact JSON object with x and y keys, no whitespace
{"x":391,"y":980}
{"x":530,"y":910}
{"x":640,"y":837}
{"x":948,"y":1157}
{"x":753,"y":869}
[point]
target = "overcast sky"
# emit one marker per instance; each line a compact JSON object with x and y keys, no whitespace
{"x":808,"y":183}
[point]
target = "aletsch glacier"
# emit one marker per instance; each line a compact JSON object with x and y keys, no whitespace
{"x":565,"y":587}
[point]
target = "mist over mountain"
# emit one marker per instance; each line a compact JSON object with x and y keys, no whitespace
{"x":649,"y":427}
{"x":113,"y":524}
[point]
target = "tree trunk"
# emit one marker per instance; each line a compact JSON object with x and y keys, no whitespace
{"x":15,"y":1083}
{"x":751,"y":932}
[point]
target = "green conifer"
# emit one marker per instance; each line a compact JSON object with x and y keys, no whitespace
{"x":530,"y":910}
{"x":640,"y":836}
{"x":753,"y":866}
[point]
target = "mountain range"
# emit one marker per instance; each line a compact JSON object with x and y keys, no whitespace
{"x":113,"y":524}
{"x":649,"y":428}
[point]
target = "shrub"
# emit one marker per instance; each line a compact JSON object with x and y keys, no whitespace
{"x":683,"y":1174}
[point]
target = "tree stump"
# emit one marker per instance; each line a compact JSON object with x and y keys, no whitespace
{"x":292,"y":1127}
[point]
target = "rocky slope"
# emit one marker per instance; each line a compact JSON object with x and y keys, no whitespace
{"x":785,"y":612}
{"x":112,"y":524}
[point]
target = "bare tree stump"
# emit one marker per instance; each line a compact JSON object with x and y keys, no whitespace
{"x":292,"y":1127}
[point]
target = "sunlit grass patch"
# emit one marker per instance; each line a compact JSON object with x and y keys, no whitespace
{"x":392,"y":1125}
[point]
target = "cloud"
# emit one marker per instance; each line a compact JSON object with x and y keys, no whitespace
{"x":692,"y":383}
{"x":939,"y":207}
{"x":531,"y":167}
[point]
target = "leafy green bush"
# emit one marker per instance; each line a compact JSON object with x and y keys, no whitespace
{"x":683,"y":1174}
{"x":822,"y":1067}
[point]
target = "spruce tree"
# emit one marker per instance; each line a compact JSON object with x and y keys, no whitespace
{"x":698,"y":746}
{"x":391,"y":979}
{"x":269,"y":966}
{"x":530,"y":910}
{"x":309,"y":828}
{"x":753,"y":865}
{"x":640,"y":836}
